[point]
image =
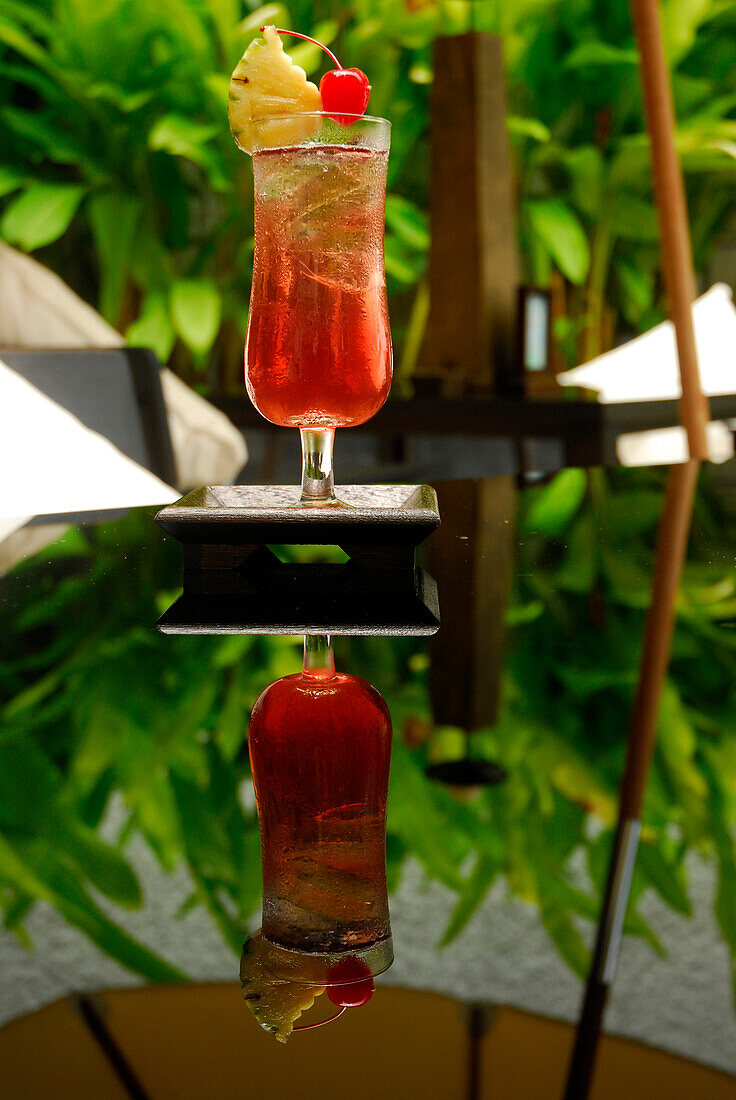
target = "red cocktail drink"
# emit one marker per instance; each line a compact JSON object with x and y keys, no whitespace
{"x":320,"y":748}
{"x":318,"y":352}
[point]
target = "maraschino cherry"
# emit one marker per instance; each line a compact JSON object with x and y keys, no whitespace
{"x":356,"y":986}
{"x":343,"y":90}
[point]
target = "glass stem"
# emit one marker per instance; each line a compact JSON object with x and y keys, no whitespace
{"x":317,"y":483}
{"x":319,"y":659}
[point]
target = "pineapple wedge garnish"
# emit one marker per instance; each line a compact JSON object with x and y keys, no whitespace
{"x":276,"y":1003}
{"x":267,"y":82}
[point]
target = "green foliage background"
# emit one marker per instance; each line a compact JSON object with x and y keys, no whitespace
{"x":118,"y":171}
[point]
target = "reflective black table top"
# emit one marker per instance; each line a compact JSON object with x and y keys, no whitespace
{"x":129,"y":846}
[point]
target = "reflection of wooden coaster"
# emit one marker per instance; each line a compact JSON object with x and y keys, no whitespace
{"x":233,"y":582}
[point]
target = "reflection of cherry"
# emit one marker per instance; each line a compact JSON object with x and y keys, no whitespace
{"x":356,"y":983}
{"x":343,"y":90}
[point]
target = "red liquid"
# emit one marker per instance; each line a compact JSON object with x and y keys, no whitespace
{"x":318,"y":351}
{"x":320,"y":751}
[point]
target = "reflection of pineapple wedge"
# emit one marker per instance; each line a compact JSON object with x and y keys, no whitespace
{"x":267,"y":82}
{"x":275,"y":1003}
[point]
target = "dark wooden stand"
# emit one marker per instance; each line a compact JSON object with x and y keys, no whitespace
{"x":235,"y":584}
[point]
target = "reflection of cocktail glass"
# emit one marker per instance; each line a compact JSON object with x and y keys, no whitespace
{"x":318,"y":351}
{"x":320,"y":747}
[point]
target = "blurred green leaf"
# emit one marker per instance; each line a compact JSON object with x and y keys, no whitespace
{"x":725,"y":904}
{"x":630,"y":583}
{"x":632,"y":513}
{"x":565,"y":936}
{"x":665,"y":880}
{"x":41,"y":214}
{"x":588,"y":681}
{"x":680,"y":22}
{"x":274,"y":14}
{"x":414,"y":817}
{"x":114,"y":218}
{"x":33,"y":805}
{"x":407,"y":222}
{"x":558,"y":229}
{"x":16,"y":38}
{"x":677,"y":745}
{"x":528,"y":127}
{"x":526,"y":613}
{"x":586,"y":168}
{"x":39,"y":129}
{"x":474,"y":892}
{"x":10,"y":179}
{"x":634,"y":219}
{"x":43,"y":877}
{"x":153,"y":328}
{"x":401,"y":263}
{"x":119,"y":97}
{"x":637,"y":290}
{"x":595,"y":53}
{"x":580,"y":564}
{"x":232,"y":728}
{"x":554,"y":506}
{"x":180,"y":136}
{"x":195,"y":312}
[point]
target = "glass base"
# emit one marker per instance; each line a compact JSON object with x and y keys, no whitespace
{"x":323,"y":505}
{"x":313,"y":968}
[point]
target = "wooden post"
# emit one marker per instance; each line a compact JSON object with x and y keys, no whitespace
{"x":471,"y":348}
{"x":471,"y":556}
{"x":474,"y":265}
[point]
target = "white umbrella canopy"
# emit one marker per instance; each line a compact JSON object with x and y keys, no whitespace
{"x":57,"y":465}
{"x":71,"y":469}
{"x":38,"y":310}
{"x":646,"y":368}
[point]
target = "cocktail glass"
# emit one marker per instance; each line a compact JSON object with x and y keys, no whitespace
{"x":320,"y":749}
{"x":318,"y":351}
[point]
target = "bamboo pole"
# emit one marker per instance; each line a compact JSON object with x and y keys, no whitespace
{"x":671,"y":542}
{"x":669,"y":191}
{"x":671,"y":548}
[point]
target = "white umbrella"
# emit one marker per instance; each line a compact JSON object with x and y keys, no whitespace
{"x":646,"y":369}
{"x":38,"y":310}
{"x":53,"y":464}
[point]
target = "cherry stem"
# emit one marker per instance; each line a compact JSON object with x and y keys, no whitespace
{"x":306,"y":38}
{"x":321,"y":1023}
